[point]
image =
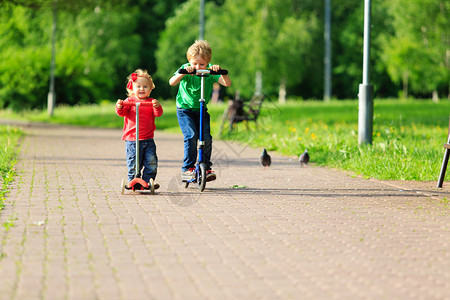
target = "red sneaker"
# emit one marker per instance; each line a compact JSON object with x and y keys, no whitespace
{"x":188,"y":175}
{"x":210,"y":176}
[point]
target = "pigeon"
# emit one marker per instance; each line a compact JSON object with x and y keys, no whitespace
{"x":265,"y":158}
{"x":304,"y":158}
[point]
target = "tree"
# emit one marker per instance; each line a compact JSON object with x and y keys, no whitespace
{"x":98,"y":44}
{"x":86,"y":62}
{"x":418,"y":53}
{"x":181,"y":31}
{"x":21,"y":66}
{"x":272,"y":37}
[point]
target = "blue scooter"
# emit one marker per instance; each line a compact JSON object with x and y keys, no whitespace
{"x":200,"y":167}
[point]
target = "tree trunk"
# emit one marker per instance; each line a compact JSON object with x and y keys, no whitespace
{"x":258,"y":83}
{"x":282,"y":91}
{"x":51,"y":102}
{"x":435,"y":96}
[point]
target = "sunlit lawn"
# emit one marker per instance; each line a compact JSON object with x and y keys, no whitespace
{"x":407,"y":135}
{"x":9,"y":140}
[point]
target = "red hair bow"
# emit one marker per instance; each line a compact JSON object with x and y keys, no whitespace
{"x":134,"y":76}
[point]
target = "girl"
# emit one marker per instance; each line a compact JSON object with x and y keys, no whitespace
{"x":139,"y":87}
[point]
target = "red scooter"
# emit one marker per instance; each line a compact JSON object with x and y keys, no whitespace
{"x":137,"y":184}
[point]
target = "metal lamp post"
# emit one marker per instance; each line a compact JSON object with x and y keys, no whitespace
{"x":327,"y":57}
{"x":365,"y":115}
{"x":202,"y":20}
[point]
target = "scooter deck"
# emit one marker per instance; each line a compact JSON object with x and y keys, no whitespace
{"x":139,"y":185}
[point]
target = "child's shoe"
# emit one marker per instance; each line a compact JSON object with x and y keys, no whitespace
{"x":188,"y":175}
{"x":210,"y":176}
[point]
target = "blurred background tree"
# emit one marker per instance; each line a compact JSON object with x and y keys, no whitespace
{"x":417,"y":54}
{"x":100,"y":42}
{"x":272,"y":37}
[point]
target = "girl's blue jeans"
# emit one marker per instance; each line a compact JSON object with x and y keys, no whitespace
{"x":189,"y":121}
{"x":147,"y":156}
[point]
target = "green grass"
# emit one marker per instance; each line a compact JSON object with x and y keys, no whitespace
{"x":407,"y":135}
{"x":102,"y":115}
{"x":9,"y":141}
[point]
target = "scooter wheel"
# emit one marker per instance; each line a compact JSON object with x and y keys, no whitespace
{"x":202,"y":177}
{"x":122,"y":186}
{"x":186,"y":184}
{"x":152,"y":186}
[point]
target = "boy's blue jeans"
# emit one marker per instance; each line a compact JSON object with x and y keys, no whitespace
{"x":189,"y":121}
{"x":147,"y":157}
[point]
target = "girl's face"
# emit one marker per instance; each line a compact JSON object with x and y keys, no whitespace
{"x":142,"y":88}
{"x":199,"y":63}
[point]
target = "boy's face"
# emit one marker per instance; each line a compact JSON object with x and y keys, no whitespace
{"x":142,"y":88}
{"x":199,"y":63}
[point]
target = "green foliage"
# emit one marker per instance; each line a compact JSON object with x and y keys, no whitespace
{"x":407,"y":135}
{"x":98,"y":43}
{"x":270,"y":37}
{"x":91,"y":115}
{"x":24,"y":60}
{"x":86,"y":54}
{"x":182,"y":28}
{"x":407,"y":138}
{"x":9,"y":139}
{"x":347,"y":46}
{"x":417,"y":53}
{"x":23,"y":76}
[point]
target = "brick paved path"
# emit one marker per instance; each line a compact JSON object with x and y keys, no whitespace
{"x":285,"y":233}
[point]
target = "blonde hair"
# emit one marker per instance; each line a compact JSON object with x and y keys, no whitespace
{"x":200,"y":47}
{"x":138,"y":73}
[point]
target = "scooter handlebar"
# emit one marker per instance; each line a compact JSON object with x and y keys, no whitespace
{"x":200,"y":72}
{"x":146,"y":103}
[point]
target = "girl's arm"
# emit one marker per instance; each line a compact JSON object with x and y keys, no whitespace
{"x":157,"y":108}
{"x":119,"y":108}
{"x":122,"y":110}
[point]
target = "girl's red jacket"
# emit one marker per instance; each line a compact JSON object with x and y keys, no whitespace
{"x":147,"y":116}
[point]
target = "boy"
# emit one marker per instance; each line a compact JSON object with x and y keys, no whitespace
{"x":188,"y":106}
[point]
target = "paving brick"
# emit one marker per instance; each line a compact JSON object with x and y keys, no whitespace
{"x":285,"y":233}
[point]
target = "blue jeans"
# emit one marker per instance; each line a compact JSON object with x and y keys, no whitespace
{"x":189,"y":121}
{"x":147,"y":159}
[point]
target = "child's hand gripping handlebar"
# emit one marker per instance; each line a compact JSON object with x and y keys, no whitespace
{"x":143,"y":103}
{"x":201,"y":72}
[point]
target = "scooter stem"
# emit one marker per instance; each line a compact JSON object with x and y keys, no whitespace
{"x":202,"y":109}
{"x":137,"y":140}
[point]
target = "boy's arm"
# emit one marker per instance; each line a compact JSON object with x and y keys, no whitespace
{"x":224,"y":80}
{"x":176,"y":79}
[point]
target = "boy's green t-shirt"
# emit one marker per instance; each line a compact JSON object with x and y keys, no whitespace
{"x":189,"y":90}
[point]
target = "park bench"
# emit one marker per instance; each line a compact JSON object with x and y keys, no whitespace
{"x":445,"y":160}
{"x":239,"y":110}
